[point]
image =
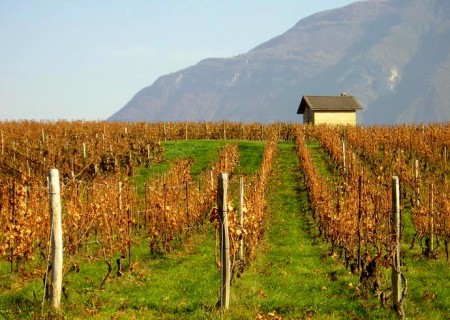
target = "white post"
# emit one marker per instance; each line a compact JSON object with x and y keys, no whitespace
{"x":56,"y":239}
{"x":84,"y":150}
{"x":397,"y":300}
{"x":212,"y":180}
{"x":225,"y":265}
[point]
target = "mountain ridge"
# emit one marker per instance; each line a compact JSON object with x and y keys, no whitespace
{"x":391,"y":54}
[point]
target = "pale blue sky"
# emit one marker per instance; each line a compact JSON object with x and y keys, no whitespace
{"x":85,"y":59}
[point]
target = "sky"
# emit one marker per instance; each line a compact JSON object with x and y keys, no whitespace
{"x":85,"y":59}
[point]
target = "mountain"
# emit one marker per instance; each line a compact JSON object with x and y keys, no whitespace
{"x":393,"y":55}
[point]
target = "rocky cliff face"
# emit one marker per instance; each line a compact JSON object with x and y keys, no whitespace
{"x":393,"y":55}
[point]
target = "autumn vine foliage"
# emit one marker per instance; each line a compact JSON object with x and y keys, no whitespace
{"x":254,"y":209}
{"x":365,"y":192}
{"x":101,"y":206}
{"x":20,"y":223}
{"x":255,"y":204}
{"x":353,"y":208}
{"x":103,"y":211}
{"x":175,"y":203}
{"x":419,"y":155}
{"x":353,"y":211}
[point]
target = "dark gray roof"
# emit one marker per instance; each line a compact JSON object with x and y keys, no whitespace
{"x":329,"y":103}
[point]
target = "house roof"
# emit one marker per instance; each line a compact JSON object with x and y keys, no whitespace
{"x":329,"y":103}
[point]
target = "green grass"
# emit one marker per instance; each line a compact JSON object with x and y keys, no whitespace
{"x":202,"y":153}
{"x":180,"y":284}
{"x":322,"y":161}
{"x":293,"y":276}
{"x":250,"y":153}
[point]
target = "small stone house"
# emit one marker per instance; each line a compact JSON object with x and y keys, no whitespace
{"x":329,"y":109}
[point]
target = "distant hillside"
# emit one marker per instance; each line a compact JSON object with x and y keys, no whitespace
{"x":393,"y":55}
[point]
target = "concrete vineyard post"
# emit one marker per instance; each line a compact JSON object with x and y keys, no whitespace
{"x":56,"y":239}
{"x":225,"y":265}
{"x":397,"y":299}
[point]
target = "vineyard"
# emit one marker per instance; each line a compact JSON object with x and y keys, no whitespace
{"x":135,"y":197}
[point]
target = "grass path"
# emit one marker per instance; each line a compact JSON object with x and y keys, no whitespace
{"x":293,"y":276}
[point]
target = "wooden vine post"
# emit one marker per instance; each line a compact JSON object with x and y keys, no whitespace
{"x":186,"y":189}
{"x":165,"y":132}
{"x":56,"y":239}
{"x":416,"y":182}
{"x":1,"y":134}
{"x":224,"y":131}
{"x":445,"y":164}
{"x":359,"y":221}
{"x":344,"y":164}
{"x":397,"y":294}
{"x":241,"y":221}
{"x":430,"y":246}
{"x":13,"y":222}
{"x":225,"y":265}
{"x":119,"y":198}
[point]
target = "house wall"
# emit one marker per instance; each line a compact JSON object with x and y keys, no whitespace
{"x":348,"y":117}
{"x":308,"y":115}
